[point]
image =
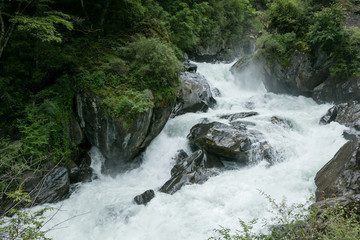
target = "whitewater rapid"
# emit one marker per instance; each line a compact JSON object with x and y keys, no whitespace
{"x":104,"y":209}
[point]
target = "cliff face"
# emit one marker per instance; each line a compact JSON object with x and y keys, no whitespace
{"x":309,"y":76}
{"x":118,"y":141}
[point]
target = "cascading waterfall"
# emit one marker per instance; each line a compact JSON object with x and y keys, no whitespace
{"x":104,"y":208}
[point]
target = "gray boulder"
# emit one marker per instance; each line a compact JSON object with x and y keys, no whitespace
{"x":145,"y":197}
{"x":194,"y":95}
{"x":300,"y":76}
{"x":231,"y":143}
{"x":194,"y":169}
{"x":340,"y":177}
{"x":50,"y":185}
{"x":120,"y":143}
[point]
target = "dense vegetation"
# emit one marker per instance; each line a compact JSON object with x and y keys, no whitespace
{"x":128,"y":52}
{"x":314,"y":27}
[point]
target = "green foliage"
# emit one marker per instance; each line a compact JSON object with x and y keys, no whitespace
{"x":347,"y":63}
{"x":44,"y":27}
{"x":327,"y":30}
{"x":13,"y":164}
{"x":297,"y":222}
{"x":128,"y":104}
{"x":23,"y":224}
{"x":286,"y":16}
{"x":45,"y":124}
{"x":277,"y":47}
{"x":153,"y":64}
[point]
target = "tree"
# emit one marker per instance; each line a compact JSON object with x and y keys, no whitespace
{"x":32,"y":16}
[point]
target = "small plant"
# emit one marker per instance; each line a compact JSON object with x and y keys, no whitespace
{"x":23,"y":224}
{"x":296,"y":221}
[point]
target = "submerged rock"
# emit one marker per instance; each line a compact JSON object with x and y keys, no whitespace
{"x":281,"y":122}
{"x":195,"y":94}
{"x":194,"y":169}
{"x":145,"y":197}
{"x":234,"y":116}
{"x":226,"y":142}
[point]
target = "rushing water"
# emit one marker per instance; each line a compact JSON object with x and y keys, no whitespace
{"x":103,"y":209}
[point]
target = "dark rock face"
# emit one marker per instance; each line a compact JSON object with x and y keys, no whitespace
{"x":340,"y":177}
{"x":347,"y":114}
{"x":81,"y":171}
{"x":119,"y":143}
{"x":337,"y":91}
{"x":50,"y":185}
{"x":226,"y":142}
{"x":190,"y":67}
{"x":301,"y":77}
{"x":194,"y":169}
{"x":145,"y":197}
{"x":195,"y":94}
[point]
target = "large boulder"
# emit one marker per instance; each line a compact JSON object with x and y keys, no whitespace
{"x":230,"y":142}
{"x":340,"y":177}
{"x":300,"y":76}
{"x":50,"y":185}
{"x":194,"y":95}
{"x":118,"y":141}
{"x":194,"y":169}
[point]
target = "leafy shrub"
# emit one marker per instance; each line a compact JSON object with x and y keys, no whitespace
{"x":127,"y":104}
{"x":297,"y":222}
{"x":327,"y":30}
{"x":45,"y":123}
{"x":286,"y":16}
{"x":347,"y":63}
{"x":153,"y":64}
{"x":23,"y":225}
{"x":277,"y":47}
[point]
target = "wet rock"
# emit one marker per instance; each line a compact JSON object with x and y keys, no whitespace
{"x":241,"y":125}
{"x":241,"y":65}
{"x":195,"y":169}
{"x":118,"y":141}
{"x":347,"y":114}
{"x":216,"y":92}
{"x":234,"y":116}
{"x":226,"y":142}
{"x":145,"y":197}
{"x":340,"y":177}
{"x":180,"y":157}
{"x":82,"y":172}
{"x":195,"y":94}
{"x":190,"y":67}
{"x":50,"y":185}
{"x":300,"y":76}
{"x":281,"y":122}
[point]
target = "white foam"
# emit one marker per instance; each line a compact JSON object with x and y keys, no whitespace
{"x":103,"y":209}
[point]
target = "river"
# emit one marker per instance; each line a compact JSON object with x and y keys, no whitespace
{"x":104,"y":210}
